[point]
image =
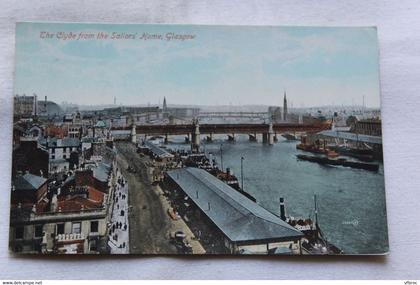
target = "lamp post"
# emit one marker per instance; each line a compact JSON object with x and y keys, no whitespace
{"x":221,"y":156}
{"x":242,"y":173}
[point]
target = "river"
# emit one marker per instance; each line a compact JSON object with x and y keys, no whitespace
{"x":351,"y":202}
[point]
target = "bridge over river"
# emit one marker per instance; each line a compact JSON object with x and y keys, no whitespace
{"x":269,"y":131}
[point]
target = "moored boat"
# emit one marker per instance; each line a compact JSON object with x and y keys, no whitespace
{"x":340,"y":162}
{"x":289,"y":137}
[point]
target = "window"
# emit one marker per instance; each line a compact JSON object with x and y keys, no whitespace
{"x":53,"y":150}
{"x":19,"y":233}
{"x":38,"y":231}
{"x":60,"y":229}
{"x":94,"y":225}
{"x":76,"y":228}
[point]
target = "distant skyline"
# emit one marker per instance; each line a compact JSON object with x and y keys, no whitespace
{"x":221,"y":65}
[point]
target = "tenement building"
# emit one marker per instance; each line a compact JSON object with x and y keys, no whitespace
{"x":71,"y":217}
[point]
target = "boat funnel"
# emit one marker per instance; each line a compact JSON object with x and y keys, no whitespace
{"x":282,"y":209}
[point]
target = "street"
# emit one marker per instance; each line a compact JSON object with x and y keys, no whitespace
{"x":119,"y":228}
{"x":149,"y":223}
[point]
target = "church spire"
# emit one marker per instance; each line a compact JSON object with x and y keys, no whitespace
{"x":284,"y":106}
{"x":164,"y":104}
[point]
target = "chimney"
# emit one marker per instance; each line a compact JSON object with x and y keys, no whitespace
{"x":35,"y":105}
{"x":54,"y":203}
{"x":282,"y":209}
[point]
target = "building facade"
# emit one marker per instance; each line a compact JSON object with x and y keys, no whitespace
{"x":25,"y":106}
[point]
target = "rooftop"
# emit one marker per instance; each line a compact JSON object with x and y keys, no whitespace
{"x":78,"y":204}
{"x":100,"y":124}
{"x":352,"y":136}
{"x":160,"y":152}
{"x":56,"y":142}
{"x":101,"y":172}
{"x":239,"y":218}
{"x":29,"y":182}
{"x":88,"y":139}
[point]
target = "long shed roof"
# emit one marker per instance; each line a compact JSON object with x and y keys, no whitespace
{"x":239,"y":218}
{"x":160,"y":152}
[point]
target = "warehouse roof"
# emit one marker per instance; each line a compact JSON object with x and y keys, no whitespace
{"x":239,"y":218}
{"x":158,"y":151}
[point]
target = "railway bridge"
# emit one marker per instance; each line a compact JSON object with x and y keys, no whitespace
{"x":269,"y":131}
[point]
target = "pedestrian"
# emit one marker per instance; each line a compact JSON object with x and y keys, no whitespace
{"x":125,"y":227}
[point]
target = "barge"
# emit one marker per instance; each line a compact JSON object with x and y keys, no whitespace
{"x":290,"y":137}
{"x":365,"y":155}
{"x":339,"y":162}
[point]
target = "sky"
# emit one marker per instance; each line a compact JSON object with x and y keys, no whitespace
{"x":221,"y":65}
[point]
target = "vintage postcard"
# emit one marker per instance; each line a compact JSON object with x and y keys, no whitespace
{"x":184,"y":139}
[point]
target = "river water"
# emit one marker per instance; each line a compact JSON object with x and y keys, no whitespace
{"x":351,"y":202}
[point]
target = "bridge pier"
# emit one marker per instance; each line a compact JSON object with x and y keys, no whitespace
{"x":252,"y":137}
{"x":270,"y":134}
{"x":187,"y":138}
{"x":133,"y":134}
{"x":195,"y":145}
{"x":231,"y":138}
{"x":268,"y":137}
{"x":166,"y":139}
{"x":209,"y":137}
{"x":276,"y":139}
